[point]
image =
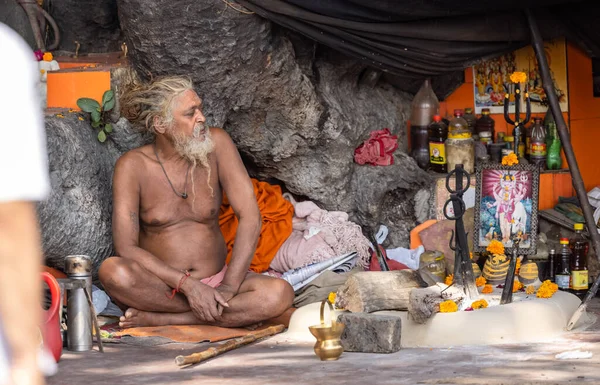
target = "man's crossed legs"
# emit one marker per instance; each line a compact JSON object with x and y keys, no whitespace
{"x":144,"y":295}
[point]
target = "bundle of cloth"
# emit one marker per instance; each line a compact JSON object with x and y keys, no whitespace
{"x":318,"y":235}
{"x":276,"y":213}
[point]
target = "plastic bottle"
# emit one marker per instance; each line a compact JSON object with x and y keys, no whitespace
{"x":471,"y":119}
{"x":563,"y":272}
{"x":553,"y":159}
{"x":537,"y":145}
{"x":460,"y":147}
{"x":551,"y":265}
{"x":424,"y":106}
{"x":500,"y":138}
{"x":485,"y":123}
{"x":579,"y":271}
{"x":438,"y":133}
{"x":510,"y":142}
{"x":458,"y":123}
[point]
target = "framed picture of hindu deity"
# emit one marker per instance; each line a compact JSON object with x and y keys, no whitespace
{"x":506,"y":205}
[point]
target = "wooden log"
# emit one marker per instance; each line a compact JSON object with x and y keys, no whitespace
{"x":370,"y":291}
{"x":425,"y":302}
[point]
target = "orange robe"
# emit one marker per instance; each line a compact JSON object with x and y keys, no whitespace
{"x":276,"y":214}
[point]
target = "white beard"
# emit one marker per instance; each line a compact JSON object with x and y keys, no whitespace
{"x":196,"y":150}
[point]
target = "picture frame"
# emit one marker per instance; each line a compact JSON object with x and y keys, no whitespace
{"x":506,"y":204}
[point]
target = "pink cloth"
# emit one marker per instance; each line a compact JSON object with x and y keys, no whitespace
{"x":319,"y":235}
{"x":378,"y":150}
{"x":214,"y":281}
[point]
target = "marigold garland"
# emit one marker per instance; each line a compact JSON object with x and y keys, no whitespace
{"x":547,"y":289}
{"x":517,"y":286}
{"x":518,"y":266}
{"x":518,"y":77}
{"x":510,"y":159}
{"x":487,"y":289}
{"x":481,"y":281}
{"x":480,"y":304}
{"x":448,"y":307}
{"x":495,"y":247}
{"x":47,"y":56}
{"x":331,"y":297}
{"x":449,"y":279}
{"x":529,"y":289}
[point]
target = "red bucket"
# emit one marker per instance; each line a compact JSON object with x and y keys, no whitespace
{"x":51,"y":326}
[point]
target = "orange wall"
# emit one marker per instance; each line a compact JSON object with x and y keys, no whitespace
{"x":583,"y":117}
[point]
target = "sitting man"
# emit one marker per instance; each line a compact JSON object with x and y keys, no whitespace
{"x":171,"y":266}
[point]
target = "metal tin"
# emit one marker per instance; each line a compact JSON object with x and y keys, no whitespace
{"x":78,"y":265}
{"x":79,"y":318}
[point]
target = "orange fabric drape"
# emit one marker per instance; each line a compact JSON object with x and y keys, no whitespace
{"x":276,"y":214}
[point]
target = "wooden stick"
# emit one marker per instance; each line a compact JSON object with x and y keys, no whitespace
{"x":94,"y":319}
{"x":229,"y":345}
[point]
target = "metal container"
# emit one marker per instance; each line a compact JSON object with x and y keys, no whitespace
{"x":79,"y":318}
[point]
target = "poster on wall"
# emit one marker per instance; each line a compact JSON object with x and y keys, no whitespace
{"x":491,"y":78}
{"x":556,"y":54}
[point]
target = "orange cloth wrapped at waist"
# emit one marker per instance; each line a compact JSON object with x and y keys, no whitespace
{"x":276,"y":213}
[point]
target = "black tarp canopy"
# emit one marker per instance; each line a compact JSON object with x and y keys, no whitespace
{"x":413,"y":39}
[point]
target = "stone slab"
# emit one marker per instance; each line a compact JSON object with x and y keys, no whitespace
{"x":371,"y":333}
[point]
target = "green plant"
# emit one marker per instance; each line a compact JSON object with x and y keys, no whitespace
{"x":99,"y":113}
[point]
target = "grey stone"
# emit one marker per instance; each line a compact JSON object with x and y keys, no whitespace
{"x":93,"y":23}
{"x":76,"y":219}
{"x":296,"y":111}
{"x":370,"y":333}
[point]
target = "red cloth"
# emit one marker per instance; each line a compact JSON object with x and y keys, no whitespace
{"x":393,"y":265}
{"x":378,"y":150}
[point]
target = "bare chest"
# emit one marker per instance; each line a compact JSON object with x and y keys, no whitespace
{"x":161,"y":201}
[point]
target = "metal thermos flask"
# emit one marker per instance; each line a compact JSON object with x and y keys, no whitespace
{"x":79,"y":319}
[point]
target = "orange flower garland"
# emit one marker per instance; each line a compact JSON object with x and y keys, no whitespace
{"x":547,"y":289}
{"x":495,"y":247}
{"x":518,"y":77}
{"x":331,"y":297}
{"x":481,"y":281}
{"x":448,"y":307}
{"x":487,"y":289}
{"x":529,"y":290}
{"x":510,"y":159}
{"x":449,"y":279}
{"x":480,"y":304}
{"x":517,"y":286}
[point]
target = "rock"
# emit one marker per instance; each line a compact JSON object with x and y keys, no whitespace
{"x":13,"y":15}
{"x":76,"y":219}
{"x":93,"y":23}
{"x":295,"y":110}
{"x":371,"y":333}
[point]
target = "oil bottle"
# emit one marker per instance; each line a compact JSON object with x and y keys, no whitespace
{"x":579,"y":272}
{"x":563,"y":272}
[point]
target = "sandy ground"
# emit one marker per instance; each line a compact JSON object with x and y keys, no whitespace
{"x":280,"y":360}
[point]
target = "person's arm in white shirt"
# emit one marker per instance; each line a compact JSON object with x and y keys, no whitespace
{"x":23,"y":181}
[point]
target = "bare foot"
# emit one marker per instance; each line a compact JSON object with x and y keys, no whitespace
{"x":134,"y":318}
